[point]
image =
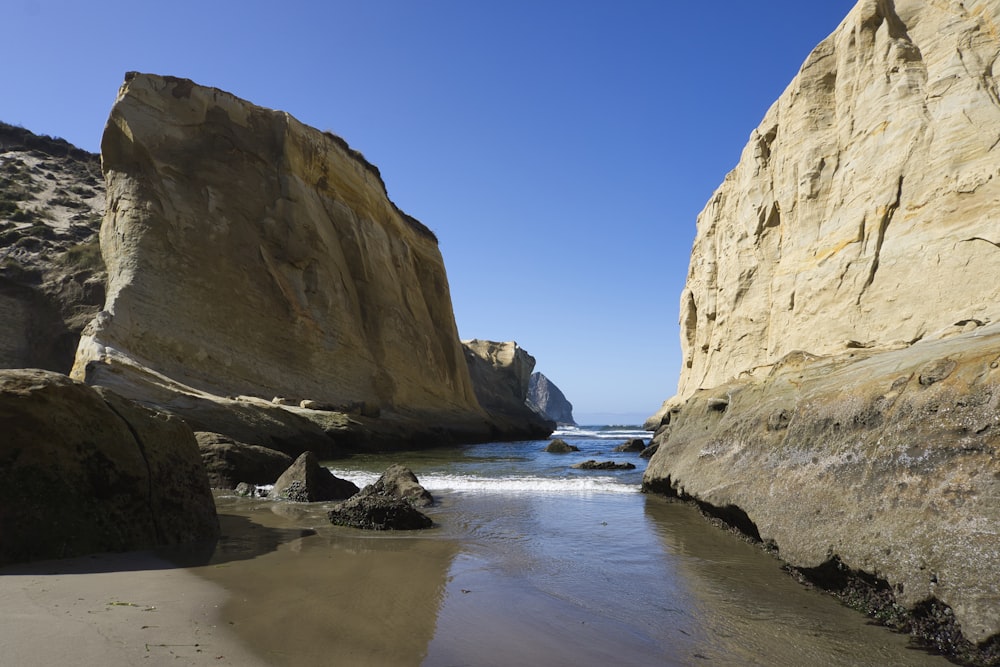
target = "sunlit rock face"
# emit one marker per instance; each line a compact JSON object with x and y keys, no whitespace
{"x":863,"y":210}
{"x":252,"y":256}
{"x":839,"y":392}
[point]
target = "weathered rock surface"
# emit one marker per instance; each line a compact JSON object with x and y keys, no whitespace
{"x":306,"y":481}
{"x":863,"y":458}
{"x":547,"y":399}
{"x":501,"y":373}
{"x":229,"y":462}
{"x":839,"y":327}
{"x":560,"y":446}
{"x":868,"y":189}
{"x":83,"y":471}
{"x":250,"y":255}
{"x":398,"y":481}
{"x":51,"y":272}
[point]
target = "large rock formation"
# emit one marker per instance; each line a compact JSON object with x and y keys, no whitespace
{"x":501,"y":374}
{"x":82,"y":471}
{"x":250,"y":256}
{"x":840,"y":324}
{"x":51,"y":273}
{"x":548,"y":400}
{"x":867,"y":192}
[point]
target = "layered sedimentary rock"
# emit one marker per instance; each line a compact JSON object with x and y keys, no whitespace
{"x":863,"y":204}
{"x":547,"y":399}
{"x":82,"y":471}
{"x":250,"y":256}
{"x":840,"y":321}
{"x":51,"y":273}
{"x":501,"y":374}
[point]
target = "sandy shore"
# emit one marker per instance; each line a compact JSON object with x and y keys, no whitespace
{"x":114,"y":610}
{"x":274,"y":591}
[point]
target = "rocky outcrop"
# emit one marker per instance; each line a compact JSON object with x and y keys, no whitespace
{"x":501,"y":373}
{"x":228,"y":462}
{"x":838,"y":397}
{"x":634,"y":445}
{"x":378,"y":512}
{"x":51,"y":272}
{"x":84,"y":471}
{"x":548,"y":400}
{"x":306,"y":481}
{"x":250,"y":256}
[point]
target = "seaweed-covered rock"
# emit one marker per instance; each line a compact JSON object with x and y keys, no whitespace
{"x":379,"y":512}
{"x":603,"y":465}
{"x":633,"y":445}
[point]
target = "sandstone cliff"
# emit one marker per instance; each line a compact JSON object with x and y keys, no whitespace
{"x":840,"y":327}
{"x":547,"y":399}
{"x":863,"y":209}
{"x":51,"y":273}
{"x":251,"y":257}
{"x":501,"y":374}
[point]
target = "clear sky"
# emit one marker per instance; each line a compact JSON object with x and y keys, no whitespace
{"x":560,"y":149}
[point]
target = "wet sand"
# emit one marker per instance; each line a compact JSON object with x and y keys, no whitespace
{"x":284,"y":587}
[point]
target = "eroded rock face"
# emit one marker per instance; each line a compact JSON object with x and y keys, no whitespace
{"x":83,"y":471}
{"x":250,"y":255}
{"x":863,"y":204}
{"x":840,"y":337}
{"x":501,"y":373}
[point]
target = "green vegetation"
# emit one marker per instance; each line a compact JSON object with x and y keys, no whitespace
{"x":86,"y":255}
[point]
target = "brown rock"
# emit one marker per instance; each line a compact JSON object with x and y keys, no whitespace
{"x":306,"y":481}
{"x":229,"y":462}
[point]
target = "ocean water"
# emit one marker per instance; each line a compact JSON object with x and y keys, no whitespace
{"x":558,"y":566}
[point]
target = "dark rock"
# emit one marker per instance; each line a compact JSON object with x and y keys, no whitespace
{"x":85,"y":471}
{"x":633,"y":445}
{"x":229,"y":462}
{"x":306,"y":481}
{"x":603,"y":465}
{"x":398,"y":481}
{"x":379,"y":512}
{"x":560,"y":446}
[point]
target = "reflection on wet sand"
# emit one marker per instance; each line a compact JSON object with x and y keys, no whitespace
{"x":751,"y":613}
{"x":334,"y":596}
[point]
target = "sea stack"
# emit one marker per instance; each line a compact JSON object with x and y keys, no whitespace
{"x":257,"y":265}
{"x":839,"y":326}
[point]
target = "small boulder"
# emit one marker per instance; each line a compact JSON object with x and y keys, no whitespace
{"x":398,"y":481}
{"x":306,"y":481}
{"x":603,"y":465}
{"x":560,"y":446}
{"x":229,"y":462}
{"x":374,"y":511}
{"x":632,"y":445}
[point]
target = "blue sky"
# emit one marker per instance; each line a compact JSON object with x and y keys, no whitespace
{"x":560,"y":150}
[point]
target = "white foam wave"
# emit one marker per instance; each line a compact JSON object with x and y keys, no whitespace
{"x":504,"y":485}
{"x":600,"y":434}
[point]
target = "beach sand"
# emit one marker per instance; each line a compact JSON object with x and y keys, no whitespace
{"x":270,"y":592}
{"x":114,"y":610}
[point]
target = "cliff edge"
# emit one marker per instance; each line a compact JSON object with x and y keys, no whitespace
{"x":261,"y":283}
{"x":839,"y":392}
